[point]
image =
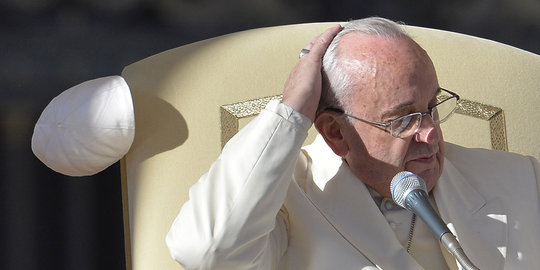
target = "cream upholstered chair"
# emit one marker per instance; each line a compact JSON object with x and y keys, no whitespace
{"x":188,"y":101}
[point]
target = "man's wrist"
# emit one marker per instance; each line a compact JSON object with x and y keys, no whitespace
{"x":289,"y":113}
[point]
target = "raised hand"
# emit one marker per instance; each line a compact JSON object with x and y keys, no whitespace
{"x":302,"y":89}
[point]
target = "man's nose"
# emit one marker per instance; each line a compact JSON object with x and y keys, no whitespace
{"x":428,"y":131}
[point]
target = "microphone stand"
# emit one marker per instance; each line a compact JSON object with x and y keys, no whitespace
{"x":417,"y":202}
{"x":451,"y":244}
{"x":408,"y":190}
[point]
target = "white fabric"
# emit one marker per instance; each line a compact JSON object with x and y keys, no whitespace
{"x":328,"y":219}
{"x":86,"y":128}
{"x":424,"y":247}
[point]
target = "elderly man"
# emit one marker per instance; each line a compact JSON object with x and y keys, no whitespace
{"x":266,"y":203}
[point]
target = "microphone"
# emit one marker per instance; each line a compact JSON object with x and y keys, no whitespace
{"x":409,"y":191}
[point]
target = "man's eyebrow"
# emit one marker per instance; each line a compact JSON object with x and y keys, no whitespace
{"x":400,"y":109}
{"x":397,"y":110}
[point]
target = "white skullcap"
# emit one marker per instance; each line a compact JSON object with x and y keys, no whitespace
{"x":86,"y":128}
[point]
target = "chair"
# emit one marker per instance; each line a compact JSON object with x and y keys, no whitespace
{"x":190,"y":100}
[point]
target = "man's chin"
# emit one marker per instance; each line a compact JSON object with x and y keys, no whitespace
{"x":430,"y":175}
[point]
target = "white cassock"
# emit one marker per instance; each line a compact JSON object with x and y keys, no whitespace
{"x":266,"y":203}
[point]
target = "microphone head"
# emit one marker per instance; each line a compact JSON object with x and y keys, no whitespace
{"x":403,"y":183}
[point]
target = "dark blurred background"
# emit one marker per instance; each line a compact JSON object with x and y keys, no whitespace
{"x":51,"y":221}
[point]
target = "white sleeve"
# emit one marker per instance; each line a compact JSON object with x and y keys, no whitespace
{"x":231,"y":220}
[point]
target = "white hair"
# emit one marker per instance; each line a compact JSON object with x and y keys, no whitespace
{"x":337,"y":81}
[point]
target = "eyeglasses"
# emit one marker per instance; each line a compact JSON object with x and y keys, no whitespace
{"x":409,"y":124}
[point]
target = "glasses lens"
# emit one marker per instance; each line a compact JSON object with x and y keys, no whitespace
{"x":444,"y":110}
{"x":405,"y":126}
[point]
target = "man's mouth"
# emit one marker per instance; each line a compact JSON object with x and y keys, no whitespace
{"x":428,"y":158}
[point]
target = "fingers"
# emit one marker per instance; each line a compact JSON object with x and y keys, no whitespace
{"x":302,"y":89}
{"x":318,"y":45}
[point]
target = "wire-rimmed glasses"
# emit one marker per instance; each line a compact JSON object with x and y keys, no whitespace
{"x":409,"y":124}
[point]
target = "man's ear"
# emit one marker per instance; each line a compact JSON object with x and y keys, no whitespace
{"x":331,"y":127}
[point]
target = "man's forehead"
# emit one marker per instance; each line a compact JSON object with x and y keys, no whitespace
{"x":355,"y":44}
{"x":385,"y":56}
{"x":390,"y":74}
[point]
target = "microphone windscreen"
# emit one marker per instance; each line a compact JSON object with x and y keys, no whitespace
{"x":403,"y":183}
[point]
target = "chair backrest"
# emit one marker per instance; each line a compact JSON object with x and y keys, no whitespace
{"x":188,"y":101}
